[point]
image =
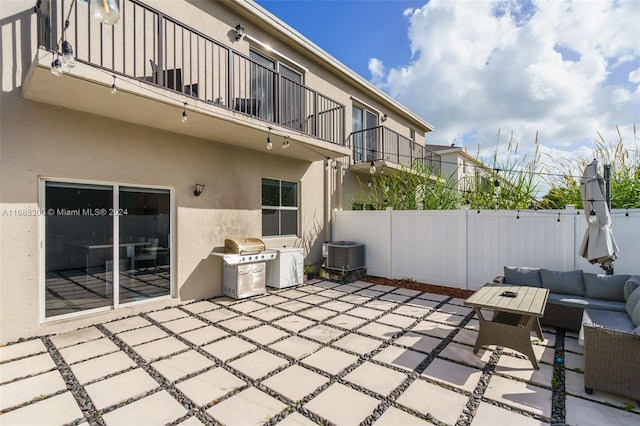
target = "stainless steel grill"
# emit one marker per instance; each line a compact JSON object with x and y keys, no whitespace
{"x":244,"y":267}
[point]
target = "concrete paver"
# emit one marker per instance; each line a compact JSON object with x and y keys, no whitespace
{"x":342,"y":405}
{"x":295,"y":382}
{"x":322,"y":352}
{"x":57,"y":410}
{"x":249,"y":407}
{"x":25,"y":367}
{"x":102,"y":366}
{"x":159,"y":408}
{"x":210,"y":385}
{"x":428,"y":398}
{"x":119,"y":388}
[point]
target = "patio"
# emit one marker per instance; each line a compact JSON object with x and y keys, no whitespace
{"x":321,"y":353}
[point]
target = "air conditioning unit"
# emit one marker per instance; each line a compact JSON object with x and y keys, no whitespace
{"x":343,"y":255}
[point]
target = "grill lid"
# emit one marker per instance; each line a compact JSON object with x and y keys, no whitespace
{"x":243,"y":245}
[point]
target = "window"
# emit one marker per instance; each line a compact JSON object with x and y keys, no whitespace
{"x":279,"y":207}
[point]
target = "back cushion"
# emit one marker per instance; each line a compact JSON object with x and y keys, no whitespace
{"x":633,"y":301}
{"x":563,"y":282}
{"x":635,"y":317}
{"x":606,"y":287}
{"x":630,"y":285}
{"x":522,"y":276}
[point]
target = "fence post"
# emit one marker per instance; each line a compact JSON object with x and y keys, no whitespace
{"x":465,"y":250}
{"x":390,"y":236}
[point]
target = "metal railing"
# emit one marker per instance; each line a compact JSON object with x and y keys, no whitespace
{"x":156,"y":49}
{"x":382,"y":143}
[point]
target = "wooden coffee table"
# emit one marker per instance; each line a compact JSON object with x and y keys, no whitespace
{"x":514,"y":318}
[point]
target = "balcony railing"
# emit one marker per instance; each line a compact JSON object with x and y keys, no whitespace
{"x":381,"y":143}
{"x":153,"y":48}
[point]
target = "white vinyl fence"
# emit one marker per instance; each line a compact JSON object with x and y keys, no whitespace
{"x":466,"y":248}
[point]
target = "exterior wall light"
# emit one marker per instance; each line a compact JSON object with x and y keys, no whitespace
{"x":199,"y":189}
{"x":239,"y":32}
{"x":384,"y":117}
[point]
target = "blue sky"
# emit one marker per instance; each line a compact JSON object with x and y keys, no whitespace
{"x":564,"y":69}
{"x":356,"y":31}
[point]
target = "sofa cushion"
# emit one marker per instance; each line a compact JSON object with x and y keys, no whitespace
{"x":635,"y":316}
{"x":607,"y":287}
{"x":631,"y":284}
{"x":522,"y":276}
{"x":633,"y":301}
{"x":563,"y":282}
{"x":637,"y":331}
{"x":585,"y":302}
{"x":614,"y":320}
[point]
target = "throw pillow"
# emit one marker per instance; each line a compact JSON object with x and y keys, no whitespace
{"x":633,"y":301}
{"x":570,"y":282}
{"x":605,"y":287}
{"x":522,"y":276}
{"x":630,"y":285}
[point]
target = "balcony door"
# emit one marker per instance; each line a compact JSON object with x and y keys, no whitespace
{"x":263,"y":86}
{"x":365,"y":132}
{"x":291,"y":99}
{"x":104,"y":245}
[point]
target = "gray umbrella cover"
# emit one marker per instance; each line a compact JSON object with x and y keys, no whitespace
{"x":598,"y":244}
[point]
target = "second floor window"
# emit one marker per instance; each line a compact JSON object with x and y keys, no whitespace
{"x":279,"y":208}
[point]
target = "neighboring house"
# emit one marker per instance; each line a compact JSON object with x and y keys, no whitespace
{"x":461,"y":169}
{"x":99,"y":165}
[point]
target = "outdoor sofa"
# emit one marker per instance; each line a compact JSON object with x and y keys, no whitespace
{"x":605,"y":309}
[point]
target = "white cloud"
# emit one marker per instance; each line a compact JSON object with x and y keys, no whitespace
{"x":483,"y":66}
{"x":634,"y":76}
{"x":376,"y":68}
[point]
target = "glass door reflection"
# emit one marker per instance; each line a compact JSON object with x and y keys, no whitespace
{"x":78,"y":247}
{"x":144,"y":217}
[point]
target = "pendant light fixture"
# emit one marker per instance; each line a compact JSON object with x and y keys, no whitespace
{"x":184,"y":113}
{"x":56,"y":66}
{"x":106,"y":11}
{"x":269,"y":144}
{"x":67,"y":55}
{"x":114,"y":89}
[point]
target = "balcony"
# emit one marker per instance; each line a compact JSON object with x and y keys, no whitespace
{"x":151,"y":55}
{"x":381,"y":144}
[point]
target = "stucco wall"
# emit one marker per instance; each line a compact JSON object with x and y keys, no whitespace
{"x":40,"y":141}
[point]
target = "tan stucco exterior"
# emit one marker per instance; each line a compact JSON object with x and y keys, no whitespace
{"x":70,"y":129}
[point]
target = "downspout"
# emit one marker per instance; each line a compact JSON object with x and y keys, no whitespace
{"x":327,"y":200}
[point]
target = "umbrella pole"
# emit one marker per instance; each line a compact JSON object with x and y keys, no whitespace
{"x":607,"y":191}
{"x":607,"y":184}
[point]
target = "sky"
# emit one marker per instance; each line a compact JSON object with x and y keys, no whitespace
{"x":480,"y":71}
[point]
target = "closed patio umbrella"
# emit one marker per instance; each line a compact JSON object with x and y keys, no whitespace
{"x":598,"y":244}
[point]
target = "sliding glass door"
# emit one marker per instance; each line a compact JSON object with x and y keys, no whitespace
{"x":104,"y":245}
{"x":144,"y":231}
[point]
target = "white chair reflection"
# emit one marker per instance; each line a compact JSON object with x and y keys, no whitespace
{"x":149,"y":252}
